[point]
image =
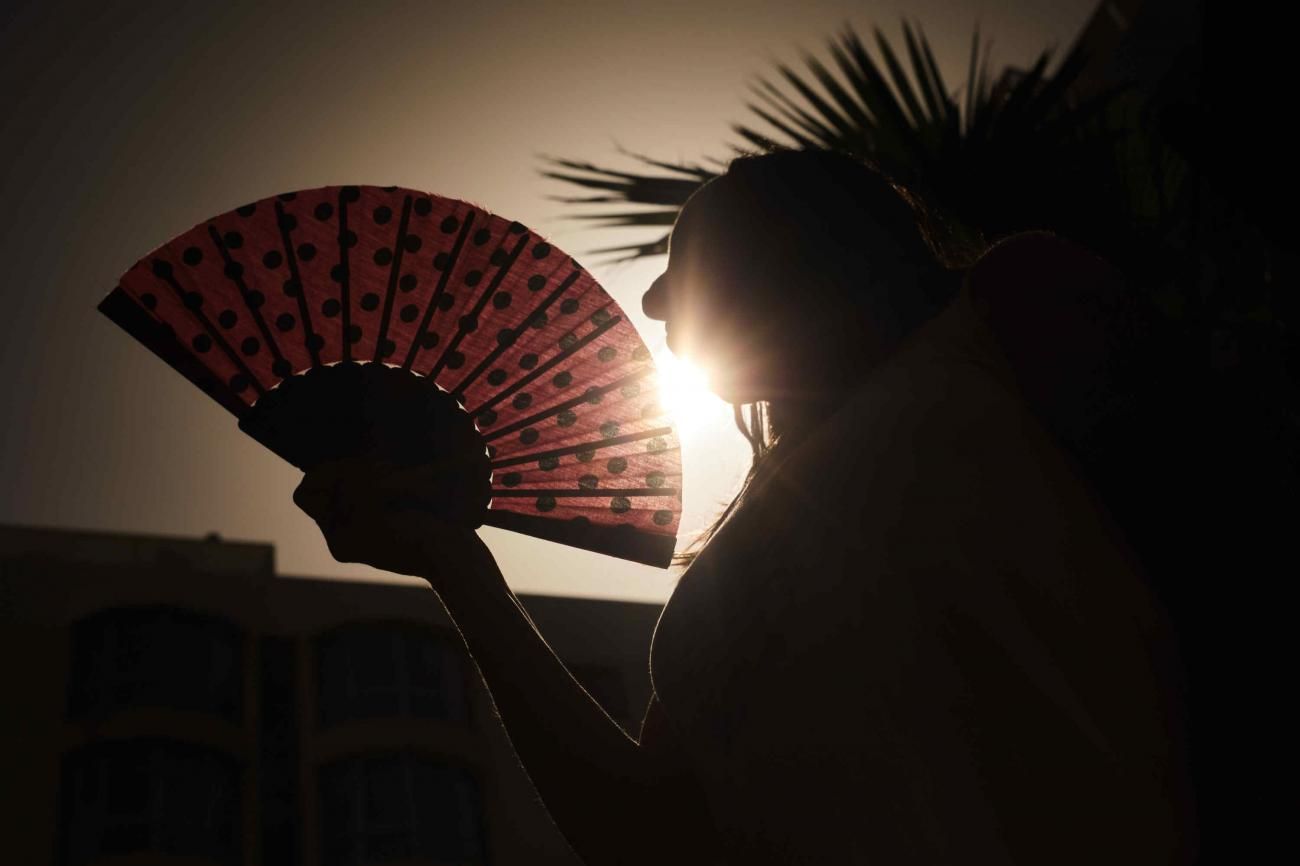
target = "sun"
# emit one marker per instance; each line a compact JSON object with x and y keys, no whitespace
{"x":684,"y":392}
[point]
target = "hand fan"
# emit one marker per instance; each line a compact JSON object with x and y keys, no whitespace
{"x":360,"y":319}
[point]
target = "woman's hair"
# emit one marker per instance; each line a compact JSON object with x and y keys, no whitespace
{"x":867,"y":244}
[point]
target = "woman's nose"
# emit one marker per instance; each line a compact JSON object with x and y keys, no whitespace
{"x":654,"y":303}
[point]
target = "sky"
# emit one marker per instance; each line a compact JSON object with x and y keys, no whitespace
{"x":126,"y":124}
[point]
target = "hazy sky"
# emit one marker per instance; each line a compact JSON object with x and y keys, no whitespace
{"x":125,"y":124}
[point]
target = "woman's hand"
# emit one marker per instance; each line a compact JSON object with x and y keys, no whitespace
{"x":364,"y":508}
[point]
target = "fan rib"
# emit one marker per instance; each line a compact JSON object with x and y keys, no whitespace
{"x":590,"y":493}
{"x":567,"y":404}
{"x":345,"y":273}
{"x":549,"y":365}
{"x":439,"y":290}
{"x":461,"y":330}
{"x":582,"y":446}
{"x":503,"y":346}
{"x":170,"y":279}
{"x":399,"y":246}
{"x":300,"y":292}
{"x":237,"y":278}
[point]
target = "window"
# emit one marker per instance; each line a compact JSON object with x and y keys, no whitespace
{"x":372,"y":671}
{"x":155,"y":656}
{"x":150,"y":796}
{"x":399,"y":806}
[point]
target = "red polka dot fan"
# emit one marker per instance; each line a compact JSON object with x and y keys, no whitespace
{"x":356,"y":320}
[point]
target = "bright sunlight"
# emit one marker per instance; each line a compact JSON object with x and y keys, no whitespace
{"x":684,"y":390}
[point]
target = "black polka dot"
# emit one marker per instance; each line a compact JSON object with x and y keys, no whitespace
{"x":354,"y":333}
{"x":254,"y":299}
{"x":281,"y":367}
{"x":446,"y":302}
{"x":472,"y":278}
{"x":234,"y":240}
{"x":315,"y":342}
{"x":455,"y":360}
{"x":408,"y":282}
{"x":412,"y":243}
{"x":324,"y":211}
{"x":608,"y":353}
{"x":528,"y":361}
{"x":288,"y":222}
{"x":193,"y":300}
{"x":440,"y":262}
{"x":594,"y":396}
{"x":201,"y":343}
{"x":350,"y":193}
{"x":487,"y":418}
{"x":285,"y":321}
{"x":497,"y":377}
{"x":654,"y":479}
{"x":481,"y":237}
{"x":620,"y":505}
{"x":348,"y":239}
{"x":662,"y":518}
{"x":449,"y":224}
{"x":331,"y":308}
{"x":538,"y":320}
{"x":287,"y":196}
{"x":306,"y":252}
{"x":536,"y":282}
{"x":469,"y":324}
{"x":336,"y":273}
{"x":541,"y":251}
{"x":547,"y":464}
{"x":546,"y":503}
{"x":657,"y":444}
{"x":586,"y":455}
{"x":382,"y":214}
{"x":609,"y":429}
{"x":568,"y":341}
{"x":369,"y":301}
{"x":567,"y":418}
{"x":600,"y":317}
{"x":588,"y":482}
{"x":423,"y":206}
{"x":272,"y":259}
{"x":238,"y":382}
{"x":383,"y":256}
{"x":386,"y":347}
{"x":501,"y":300}
{"x":148,"y":300}
{"x":616,"y":465}
{"x":528,"y":436}
{"x":192,"y":256}
{"x":250,"y":345}
{"x":522,"y":401}
{"x":162,"y":269}
{"x":291,"y":288}
{"x":506,"y":337}
{"x":246,"y":210}
{"x":630,"y":390}
{"x":516,"y":228}
{"x":562,"y":380}
{"x":511,"y":479}
{"x":227,"y":318}
{"x":498,"y":257}
{"x":640,"y":353}
{"x":429,"y":340}
{"x":234,"y":270}
{"x":409,"y":313}
{"x":569,"y":306}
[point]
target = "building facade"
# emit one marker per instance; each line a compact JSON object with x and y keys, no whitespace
{"x":175,"y":700}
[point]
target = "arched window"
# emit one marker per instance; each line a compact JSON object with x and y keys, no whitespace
{"x":387,"y":669}
{"x":399,"y":806}
{"x":156,"y":656}
{"x":157,"y":796}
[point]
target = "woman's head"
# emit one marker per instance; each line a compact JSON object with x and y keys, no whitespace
{"x":793,"y":274}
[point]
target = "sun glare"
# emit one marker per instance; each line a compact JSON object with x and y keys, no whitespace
{"x":684,"y":391}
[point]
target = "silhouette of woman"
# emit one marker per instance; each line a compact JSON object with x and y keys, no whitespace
{"x":916,"y":636}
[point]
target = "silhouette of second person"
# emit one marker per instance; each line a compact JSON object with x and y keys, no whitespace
{"x":917,"y":636}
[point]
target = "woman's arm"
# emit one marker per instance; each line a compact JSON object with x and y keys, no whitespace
{"x":614,"y":801}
